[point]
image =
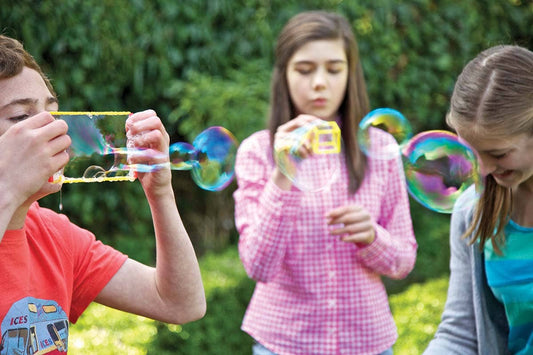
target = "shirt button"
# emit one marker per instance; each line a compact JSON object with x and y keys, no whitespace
{"x":331,"y":274}
{"x":332,"y":303}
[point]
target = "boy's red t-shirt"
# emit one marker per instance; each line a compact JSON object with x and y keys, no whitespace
{"x":50,"y":271}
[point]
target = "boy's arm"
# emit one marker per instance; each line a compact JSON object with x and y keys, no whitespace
{"x":173,"y":290}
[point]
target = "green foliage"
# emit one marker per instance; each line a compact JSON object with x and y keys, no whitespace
{"x":107,"y":331}
{"x":207,"y":99}
{"x":412,"y":51}
{"x":417,"y":313}
{"x":433,"y":256}
{"x":202,"y":63}
{"x":228,"y":291}
{"x":432,"y":233}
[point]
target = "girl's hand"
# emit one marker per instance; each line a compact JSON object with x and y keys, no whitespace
{"x":285,"y":137}
{"x":285,"y":140}
{"x":356,"y":225}
{"x":146,"y":132}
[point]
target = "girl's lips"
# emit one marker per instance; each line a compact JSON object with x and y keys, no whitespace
{"x":319,"y":102}
{"x":503,"y":174}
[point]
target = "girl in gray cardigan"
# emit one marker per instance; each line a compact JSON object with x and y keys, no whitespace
{"x":492,"y":110}
{"x":473,"y":321}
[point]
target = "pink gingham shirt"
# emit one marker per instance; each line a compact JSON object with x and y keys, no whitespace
{"x":314,"y":293}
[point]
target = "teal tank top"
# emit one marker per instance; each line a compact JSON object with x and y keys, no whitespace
{"x":510,"y":276}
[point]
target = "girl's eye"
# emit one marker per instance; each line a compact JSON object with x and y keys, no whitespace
{"x":304,"y":71}
{"x":18,"y":118}
{"x":499,"y":156}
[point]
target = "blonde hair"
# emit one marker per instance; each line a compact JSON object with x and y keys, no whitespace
{"x":494,"y":93}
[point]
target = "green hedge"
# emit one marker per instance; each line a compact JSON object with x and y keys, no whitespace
{"x":104,"y":331}
{"x":201,"y":63}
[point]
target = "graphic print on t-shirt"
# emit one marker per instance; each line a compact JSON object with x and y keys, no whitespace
{"x":34,"y":326}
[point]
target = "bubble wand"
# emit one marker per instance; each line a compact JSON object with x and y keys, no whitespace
{"x":319,"y":170}
{"x":99,"y":152}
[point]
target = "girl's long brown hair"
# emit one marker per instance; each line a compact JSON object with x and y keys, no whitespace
{"x":312,"y":26}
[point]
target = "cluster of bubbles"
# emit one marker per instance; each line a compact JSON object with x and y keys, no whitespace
{"x":438,"y":166}
{"x":100,"y":151}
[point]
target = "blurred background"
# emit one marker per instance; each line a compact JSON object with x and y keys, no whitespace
{"x":202,"y":63}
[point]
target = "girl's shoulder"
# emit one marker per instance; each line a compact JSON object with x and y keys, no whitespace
{"x":259,"y":139}
{"x":259,"y":136}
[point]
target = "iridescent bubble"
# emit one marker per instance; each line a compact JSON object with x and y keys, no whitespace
{"x":97,"y":150}
{"x":317,"y":171}
{"x":86,"y":137}
{"x":388,"y":120}
{"x":94,"y":172}
{"x":182,"y":155}
{"x":439,"y":168}
{"x":214,"y":158}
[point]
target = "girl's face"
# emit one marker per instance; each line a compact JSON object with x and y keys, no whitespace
{"x":317,"y":75}
{"x":509,"y":160}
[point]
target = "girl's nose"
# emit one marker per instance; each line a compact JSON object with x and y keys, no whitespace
{"x":319,"y":80}
{"x":486,"y":165}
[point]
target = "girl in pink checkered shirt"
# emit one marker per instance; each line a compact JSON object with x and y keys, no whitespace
{"x":318,"y":257}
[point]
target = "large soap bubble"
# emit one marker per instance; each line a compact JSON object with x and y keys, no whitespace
{"x":214,"y":158}
{"x":390,"y":121}
{"x":439,"y":168}
{"x":98,"y":150}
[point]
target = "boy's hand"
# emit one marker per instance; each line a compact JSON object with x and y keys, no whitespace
{"x":146,"y":132}
{"x":32,"y":151}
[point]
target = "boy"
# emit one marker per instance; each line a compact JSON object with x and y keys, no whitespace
{"x":50,"y":269}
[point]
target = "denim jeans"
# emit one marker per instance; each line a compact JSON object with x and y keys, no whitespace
{"x":259,"y":349}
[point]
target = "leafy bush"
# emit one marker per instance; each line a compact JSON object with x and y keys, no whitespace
{"x":433,"y":256}
{"x":201,"y":63}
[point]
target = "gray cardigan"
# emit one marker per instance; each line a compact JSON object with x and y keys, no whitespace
{"x":473,"y":321}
